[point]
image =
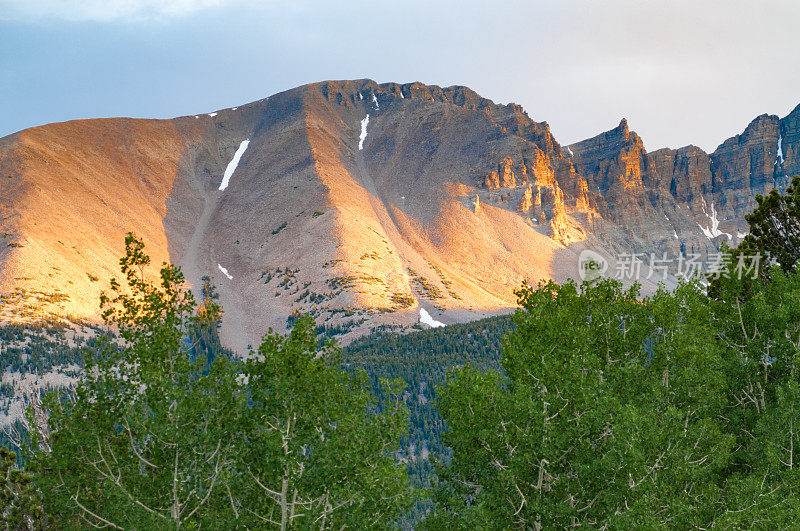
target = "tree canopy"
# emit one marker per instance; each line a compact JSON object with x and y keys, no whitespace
{"x":775,"y":226}
{"x":606,"y":409}
{"x":157,"y":436}
{"x":670,"y":411}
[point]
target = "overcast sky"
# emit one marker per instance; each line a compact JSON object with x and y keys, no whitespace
{"x":693,"y":72}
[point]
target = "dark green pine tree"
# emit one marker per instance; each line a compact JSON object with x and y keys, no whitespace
{"x":775,"y":226}
{"x":20,"y":500}
{"x":774,"y":239}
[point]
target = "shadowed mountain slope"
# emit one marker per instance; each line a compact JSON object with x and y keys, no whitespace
{"x":361,"y":203}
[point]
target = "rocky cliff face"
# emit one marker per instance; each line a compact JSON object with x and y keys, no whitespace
{"x":747,"y":163}
{"x":614,"y":165}
{"x":788,"y":150}
{"x":685,"y":172}
{"x":362,"y":203}
{"x":688,"y":188}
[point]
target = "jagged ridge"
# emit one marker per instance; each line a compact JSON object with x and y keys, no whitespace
{"x":442,"y":199}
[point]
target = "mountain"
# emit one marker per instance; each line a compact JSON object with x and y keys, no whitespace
{"x":362,"y":203}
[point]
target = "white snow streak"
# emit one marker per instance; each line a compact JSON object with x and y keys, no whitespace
{"x":212,"y":114}
{"x":569,"y":151}
{"x":360,"y":96}
{"x":375,"y":101}
{"x":233,"y":164}
{"x":708,"y":233}
{"x":363,"y":135}
{"x":675,"y":233}
{"x":425,"y":318}
{"x":741,"y":235}
{"x":780,"y":150}
{"x":225,"y":272}
{"x":713,"y":230}
{"x":401,"y":95}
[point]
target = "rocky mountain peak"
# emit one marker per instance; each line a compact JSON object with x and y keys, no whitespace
{"x":749,"y":160}
{"x":762,"y":129}
{"x":374,"y":200}
{"x":623,"y":128}
{"x":789,"y":153}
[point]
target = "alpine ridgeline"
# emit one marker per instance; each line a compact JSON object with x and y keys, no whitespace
{"x":361,"y":203}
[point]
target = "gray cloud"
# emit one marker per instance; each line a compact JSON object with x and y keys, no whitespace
{"x":680,"y":71}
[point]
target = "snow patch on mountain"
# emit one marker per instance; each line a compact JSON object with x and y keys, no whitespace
{"x":712,"y":231}
{"x":426,"y":319}
{"x":363,"y":134}
{"x":780,"y":150}
{"x":225,"y":272}
{"x":375,"y":101}
{"x":233,"y":164}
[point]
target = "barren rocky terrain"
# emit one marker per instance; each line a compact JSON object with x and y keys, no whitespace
{"x":362,"y":203}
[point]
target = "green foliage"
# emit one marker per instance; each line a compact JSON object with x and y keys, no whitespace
{"x":673,"y":411}
{"x":37,"y":347}
{"x":20,"y":502}
{"x":761,"y":334}
{"x":774,"y":239}
{"x":280,"y":228}
{"x":313,"y":448}
{"x":204,"y":336}
{"x":607,"y":412}
{"x":421,"y":360}
{"x":158,"y":435}
{"x":775,"y":226}
{"x":146,"y":442}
